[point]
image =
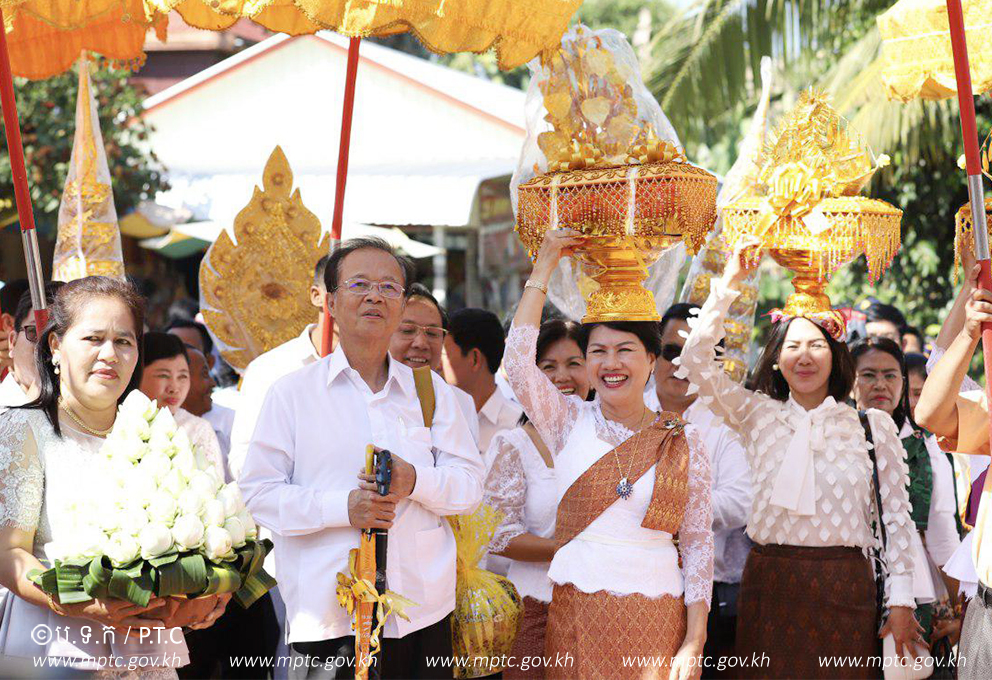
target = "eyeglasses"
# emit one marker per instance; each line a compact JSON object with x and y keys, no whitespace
{"x":387,"y":289}
{"x":31,"y":333}
{"x":889,"y":377}
{"x":409,"y":330}
{"x":671,"y":352}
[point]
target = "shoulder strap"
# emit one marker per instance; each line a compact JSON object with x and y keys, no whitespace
{"x":424,"y":383}
{"x":874,"y":475}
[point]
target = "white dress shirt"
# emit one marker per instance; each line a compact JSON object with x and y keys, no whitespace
{"x":258,"y":377}
{"x":467,"y":405}
{"x":498,"y":413}
{"x":11,"y":393}
{"x":221,"y":419}
{"x":303,"y":463}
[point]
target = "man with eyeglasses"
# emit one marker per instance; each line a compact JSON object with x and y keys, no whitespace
{"x":419,"y":342}
{"x":303,"y":477}
{"x":20,"y":385}
{"x":731,"y":482}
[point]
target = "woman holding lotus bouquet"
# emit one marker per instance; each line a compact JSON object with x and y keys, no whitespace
{"x":628,"y":480}
{"x":88,"y":359}
{"x":808,"y":589}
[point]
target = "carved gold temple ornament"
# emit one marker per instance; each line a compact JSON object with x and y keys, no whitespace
{"x":804,"y":208}
{"x":254,"y":290}
{"x":613,"y":170}
{"x":89,"y":240}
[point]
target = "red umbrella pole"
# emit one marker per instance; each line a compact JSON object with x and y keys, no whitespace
{"x":976,"y":192}
{"x":22,"y":196}
{"x":343,"y":148}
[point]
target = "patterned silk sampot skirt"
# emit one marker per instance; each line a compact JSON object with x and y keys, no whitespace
{"x":600,"y":635}
{"x":798,"y":605}
{"x":529,"y":643}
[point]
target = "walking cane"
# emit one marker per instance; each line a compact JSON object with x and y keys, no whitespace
{"x":372,"y":566}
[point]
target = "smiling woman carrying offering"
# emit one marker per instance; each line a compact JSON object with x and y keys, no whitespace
{"x":628,"y":479}
{"x":808,"y":590}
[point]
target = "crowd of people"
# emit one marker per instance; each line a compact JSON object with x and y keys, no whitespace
{"x":651,"y":507}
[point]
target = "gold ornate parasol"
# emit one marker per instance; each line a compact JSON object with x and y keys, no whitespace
{"x":918,"y":62}
{"x":804,"y":209}
{"x":255,"y":293}
{"x":46,"y":36}
{"x":610,"y":176}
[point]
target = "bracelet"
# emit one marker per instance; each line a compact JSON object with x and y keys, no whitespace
{"x":543,"y":287}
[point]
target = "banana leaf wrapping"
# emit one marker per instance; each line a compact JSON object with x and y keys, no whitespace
{"x":488,"y":609}
{"x":187,"y":573}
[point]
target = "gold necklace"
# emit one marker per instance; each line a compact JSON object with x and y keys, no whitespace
{"x":624,"y":488}
{"x":76,"y":419}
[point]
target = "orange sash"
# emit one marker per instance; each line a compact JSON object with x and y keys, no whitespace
{"x":663,"y":444}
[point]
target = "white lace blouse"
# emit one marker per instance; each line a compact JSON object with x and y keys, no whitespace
{"x":615,"y":553}
{"x":826,"y":497}
{"x":522,"y":486}
{"x":40,"y":474}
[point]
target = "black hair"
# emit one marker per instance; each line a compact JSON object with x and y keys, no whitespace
{"x":181,"y":309}
{"x":346,"y":248}
{"x":552,"y":331}
{"x":11,"y":294}
{"x":419,"y":290}
{"x":648,"y":332}
{"x":319,"y":269}
{"x":916,"y":363}
{"x":914,"y":331}
{"x":902,"y":412}
{"x":208,"y":342}
{"x":876,"y":310}
{"x":683,"y":311}
{"x":157,"y":345}
{"x":61,"y":316}
{"x":25,"y":304}
{"x":555,"y":330}
{"x":479,"y":329}
{"x":769,"y":380}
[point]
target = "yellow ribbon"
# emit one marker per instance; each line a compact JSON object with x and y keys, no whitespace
{"x":584,"y":156}
{"x":654,"y":150}
{"x":353,"y":590}
{"x":794,"y":190}
{"x":581,"y":155}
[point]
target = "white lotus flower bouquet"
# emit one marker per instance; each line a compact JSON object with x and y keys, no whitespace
{"x":158,"y":521}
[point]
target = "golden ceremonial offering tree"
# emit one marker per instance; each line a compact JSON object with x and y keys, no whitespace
{"x":255,"y":288}
{"x":804,"y":208}
{"x":610,"y":167}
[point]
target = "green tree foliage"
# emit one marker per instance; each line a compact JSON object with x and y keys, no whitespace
{"x":47,"y":115}
{"x":703,"y":72}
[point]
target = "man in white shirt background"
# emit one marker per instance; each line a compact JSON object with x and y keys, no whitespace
{"x":731,"y":483}
{"x":473,"y":351}
{"x":10,"y":294}
{"x":419,"y":342}
{"x":301,"y":477}
{"x":20,"y":385}
{"x":199,"y":401}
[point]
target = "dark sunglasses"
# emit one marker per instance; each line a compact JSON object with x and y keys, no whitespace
{"x":31,"y":333}
{"x":671,"y":352}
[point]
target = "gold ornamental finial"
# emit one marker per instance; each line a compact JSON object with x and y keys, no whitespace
{"x":255,"y":294}
{"x":89,"y":240}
